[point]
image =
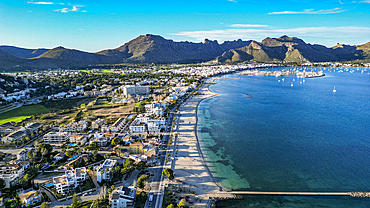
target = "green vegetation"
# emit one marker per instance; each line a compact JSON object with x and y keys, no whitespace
{"x":141,"y":181}
{"x":101,"y":101}
{"x":169,"y":173}
{"x":141,"y":197}
{"x":76,"y":202}
{"x":56,"y":105}
{"x":168,"y":199}
{"x":182,"y":204}
{"x":44,"y":205}
{"x":101,"y":202}
{"x":24,"y":112}
{"x":14,"y":119}
{"x":106,"y":71}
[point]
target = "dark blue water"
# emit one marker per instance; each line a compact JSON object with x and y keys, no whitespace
{"x":264,"y":135}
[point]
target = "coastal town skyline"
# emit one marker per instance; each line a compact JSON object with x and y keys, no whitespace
{"x":95,"y":25}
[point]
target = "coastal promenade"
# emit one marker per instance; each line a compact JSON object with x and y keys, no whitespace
{"x":279,"y":193}
{"x":190,"y":166}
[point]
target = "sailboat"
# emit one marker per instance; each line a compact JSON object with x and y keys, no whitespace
{"x":334,"y":89}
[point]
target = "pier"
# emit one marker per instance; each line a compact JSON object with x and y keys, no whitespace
{"x":352,"y":194}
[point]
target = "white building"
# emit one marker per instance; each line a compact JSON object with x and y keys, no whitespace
{"x":98,"y":123}
{"x":22,"y":155}
{"x":56,"y":137}
{"x":153,"y":128}
{"x":159,"y":121}
{"x":122,"y":197}
{"x":102,"y":141}
{"x":11,"y":174}
{"x":80,"y":126}
{"x":75,"y":139}
{"x":119,"y":124}
{"x":136,"y":90}
{"x":30,"y":197}
{"x":70,"y":180}
{"x":137,"y":127}
{"x":105,"y":170}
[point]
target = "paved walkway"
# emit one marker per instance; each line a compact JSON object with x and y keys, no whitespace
{"x":50,"y":195}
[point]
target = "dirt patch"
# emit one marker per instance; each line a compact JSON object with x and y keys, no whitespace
{"x":114,"y":112}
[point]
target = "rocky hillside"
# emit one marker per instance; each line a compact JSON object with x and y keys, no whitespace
{"x":291,"y":49}
{"x":156,"y":49}
{"x":23,"y":52}
{"x":61,"y":56}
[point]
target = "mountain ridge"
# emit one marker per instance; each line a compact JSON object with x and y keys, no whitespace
{"x":151,"y":48}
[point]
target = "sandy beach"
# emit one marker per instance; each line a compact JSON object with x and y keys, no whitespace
{"x":190,"y":166}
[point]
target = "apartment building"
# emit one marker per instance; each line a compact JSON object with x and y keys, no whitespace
{"x":11,"y":173}
{"x":122,"y":197}
{"x":70,"y":180}
{"x":137,"y":127}
{"x":136,"y":90}
{"x":98,"y":123}
{"x":80,"y":126}
{"x":56,"y":137}
{"x":78,"y":138}
{"x":105,"y":170}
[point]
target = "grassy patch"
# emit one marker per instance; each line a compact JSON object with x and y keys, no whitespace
{"x":14,"y":119}
{"x":101,"y":101}
{"x":106,"y":70}
{"x":22,"y":113}
{"x":87,"y":185}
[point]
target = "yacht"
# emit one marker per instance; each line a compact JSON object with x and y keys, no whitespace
{"x":334,"y":89}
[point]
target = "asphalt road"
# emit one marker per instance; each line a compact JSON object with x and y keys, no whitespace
{"x":157,"y":187}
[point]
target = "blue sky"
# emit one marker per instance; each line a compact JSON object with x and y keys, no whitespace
{"x":93,"y":25}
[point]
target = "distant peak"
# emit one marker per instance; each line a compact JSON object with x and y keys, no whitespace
{"x":284,"y":37}
{"x":60,"y":47}
{"x":255,"y":44}
{"x":339,"y":45}
{"x":209,"y":41}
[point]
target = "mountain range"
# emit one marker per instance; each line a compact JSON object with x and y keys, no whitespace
{"x":156,"y":49}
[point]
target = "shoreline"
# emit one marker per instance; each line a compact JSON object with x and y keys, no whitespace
{"x":191,"y":166}
{"x":204,"y":158}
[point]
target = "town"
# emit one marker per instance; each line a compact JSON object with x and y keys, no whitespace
{"x":87,"y":138}
{"x":95,"y":139}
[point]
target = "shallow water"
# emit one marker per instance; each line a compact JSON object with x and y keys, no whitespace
{"x":284,"y":138}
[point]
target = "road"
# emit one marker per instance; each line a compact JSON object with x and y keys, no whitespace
{"x":157,"y":186}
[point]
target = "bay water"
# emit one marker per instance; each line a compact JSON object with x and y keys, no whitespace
{"x":263,"y":133}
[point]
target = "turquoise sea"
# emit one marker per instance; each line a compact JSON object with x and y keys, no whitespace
{"x":263,"y":134}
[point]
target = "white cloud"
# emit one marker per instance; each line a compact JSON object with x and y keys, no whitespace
{"x":322,"y":35}
{"x":64,"y":10}
{"x":233,"y":1}
{"x":75,"y":8}
{"x":247,"y":25}
{"x":365,"y":1}
{"x":313,"y":11}
{"x":43,"y":3}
